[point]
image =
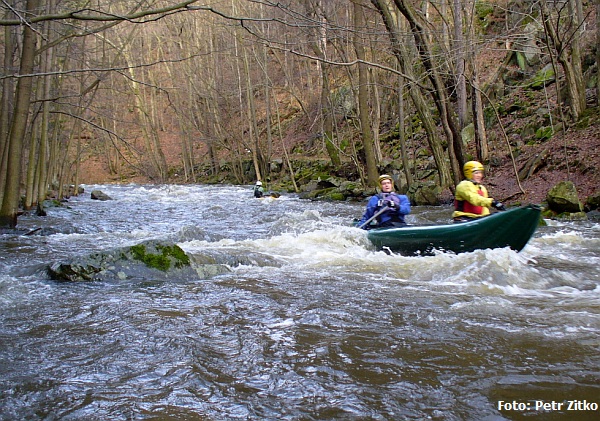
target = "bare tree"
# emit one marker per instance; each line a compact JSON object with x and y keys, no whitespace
{"x":18,"y":120}
{"x":563,"y":29}
{"x":363,"y":92}
{"x":318,"y":42}
{"x":10,"y":200}
{"x":416,"y":92}
{"x":460,"y":63}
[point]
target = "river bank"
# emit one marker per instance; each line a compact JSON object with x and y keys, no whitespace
{"x":524,"y":177}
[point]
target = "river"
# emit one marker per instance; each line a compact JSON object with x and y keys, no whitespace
{"x":312,"y":324}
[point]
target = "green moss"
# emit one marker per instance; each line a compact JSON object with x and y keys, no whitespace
{"x":336,"y":196}
{"x":483,"y":9}
{"x":547,"y":213}
{"x":350,"y":186}
{"x":138,"y":251}
{"x":168,"y":255}
{"x":344,"y":144}
{"x":543,"y":78}
{"x":587,"y":117}
{"x":544,"y":133}
{"x":521,"y":60}
{"x":181,"y":259}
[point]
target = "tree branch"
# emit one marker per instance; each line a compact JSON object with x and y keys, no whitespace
{"x":99,"y":16}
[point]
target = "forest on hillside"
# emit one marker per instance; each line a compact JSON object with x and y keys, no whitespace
{"x":193,"y":90}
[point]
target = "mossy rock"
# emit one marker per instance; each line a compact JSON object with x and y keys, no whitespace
{"x":147,"y":261}
{"x":336,"y":196}
{"x":167,"y":255}
{"x":422,"y":194}
{"x":319,"y":193}
{"x":563,"y":198}
{"x":565,"y":216}
{"x":543,"y":77}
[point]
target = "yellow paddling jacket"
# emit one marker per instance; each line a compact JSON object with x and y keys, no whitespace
{"x":471,"y":200}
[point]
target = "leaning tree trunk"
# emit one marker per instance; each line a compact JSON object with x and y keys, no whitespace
{"x":438,"y":92}
{"x":423,"y":110}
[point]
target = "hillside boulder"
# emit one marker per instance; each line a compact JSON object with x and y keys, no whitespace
{"x":593,"y":202}
{"x":563,"y":198}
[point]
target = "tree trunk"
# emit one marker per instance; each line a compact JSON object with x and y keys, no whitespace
{"x":376,"y":117}
{"x":29,"y":203}
{"x":416,"y":95}
{"x":438,"y":92}
{"x":253,"y":127}
{"x":363,"y":93}
{"x":568,"y":54}
{"x":7,"y":102}
{"x":402,"y":132}
{"x":459,"y":59}
{"x":287,"y":157}
{"x":10,"y":201}
{"x":481,"y":143}
{"x":42,"y":165}
{"x":318,"y":44}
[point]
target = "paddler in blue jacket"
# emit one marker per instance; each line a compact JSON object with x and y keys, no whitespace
{"x":386,"y":208}
{"x":471,"y":200}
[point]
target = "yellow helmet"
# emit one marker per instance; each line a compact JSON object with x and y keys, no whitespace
{"x":385,"y":177}
{"x":471,"y":167}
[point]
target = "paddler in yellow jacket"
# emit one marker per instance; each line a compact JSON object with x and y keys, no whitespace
{"x":471,"y":200}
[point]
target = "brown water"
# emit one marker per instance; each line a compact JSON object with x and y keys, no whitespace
{"x":313,"y":325}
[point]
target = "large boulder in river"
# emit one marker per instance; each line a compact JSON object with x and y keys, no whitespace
{"x":99,"y":195}
{"x":563,"y":198}
{"x":147,"y":261}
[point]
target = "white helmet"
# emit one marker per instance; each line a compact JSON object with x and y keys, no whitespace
{"x":259,"y":183}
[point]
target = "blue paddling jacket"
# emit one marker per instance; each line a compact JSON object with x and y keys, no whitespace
{"x":398,"y":206}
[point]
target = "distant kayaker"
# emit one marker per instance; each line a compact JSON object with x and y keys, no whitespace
{"x":386,"y":208}
{"x":471,"y":200}
{"x":258,"y":189}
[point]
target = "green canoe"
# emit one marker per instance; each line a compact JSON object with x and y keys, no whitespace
{"x":512,"y":228}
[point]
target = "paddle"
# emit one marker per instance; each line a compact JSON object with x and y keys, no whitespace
{"x":373,"y":217}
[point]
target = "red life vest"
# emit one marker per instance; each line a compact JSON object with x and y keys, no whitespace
{"x":465,"y":206}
